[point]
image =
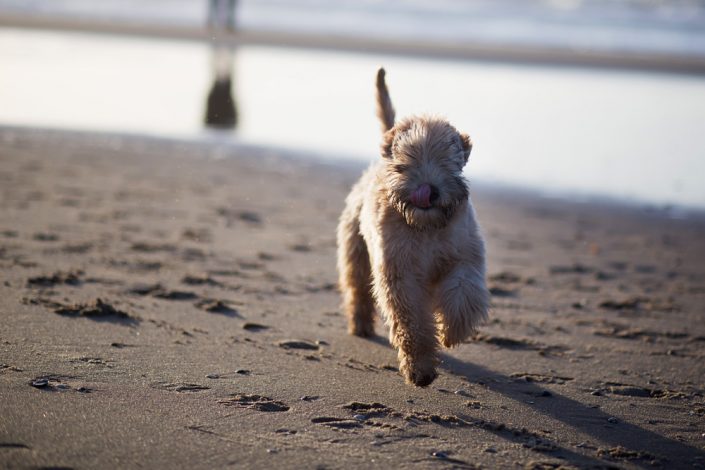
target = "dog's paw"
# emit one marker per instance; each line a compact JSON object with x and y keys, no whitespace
{"x":422,"y":379}
{"x":421,"y":375}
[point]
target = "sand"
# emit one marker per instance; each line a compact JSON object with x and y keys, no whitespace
{"x":170,"y":304}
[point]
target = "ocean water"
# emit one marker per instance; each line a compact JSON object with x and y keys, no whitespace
{"x":651,"y":26}
{"x":563,"y":130}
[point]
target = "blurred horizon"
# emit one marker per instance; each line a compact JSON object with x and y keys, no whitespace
{"x":638,"y":26}
{"x":605,"y":131}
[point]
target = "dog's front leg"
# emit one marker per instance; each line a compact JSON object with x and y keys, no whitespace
{"x":462,"y":301}
{"x":406,"y":307}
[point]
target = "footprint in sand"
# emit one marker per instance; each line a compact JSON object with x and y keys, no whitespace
{"x":540,"y":378}
{"x":341,"y":423}
{"x":193,"y":254}
{"x":175,"y":295}
{"x":146,"y":247}
{"x":200,"y":280}
{"x":264,"y":256}
{"x":97,"y":310}
{"x":255,"y":402}
{"x":71,"y":278}
{"x":520,"y":344}
{"x":232,"y":216}
{"x":138,"y":265}
{"x":13,"y":445}
{"x":217,"y":306}
{"x":576,"y":268}
{"x":637,"y":391}
{"x":45,"y":237}
{"x":499,"y":291}
{"x":298,"y":344}
{"x":198,"y":235}
{"x":507,"y":284}
{"x":158,"y":291}
{"x":301,"y":247}
{"x":78,"y":248}
{"x":255,"y":327}
{"x":369,"y":409}
{"x":54,"y":383}
{"x":180,"y":387}
{"x":620,"y":453}
{"x":638,"y":303}
{"x":506,"y":277}
{"x":622,"y":331}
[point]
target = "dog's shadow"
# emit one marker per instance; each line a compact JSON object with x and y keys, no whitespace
{"x":636,"y":443}
{"x":381,"y":340}
{"x":604,"y":428}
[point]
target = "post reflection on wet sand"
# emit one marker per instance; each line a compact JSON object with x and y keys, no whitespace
{"x":221,"y":111}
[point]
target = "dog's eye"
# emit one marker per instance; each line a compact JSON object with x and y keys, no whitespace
{"x":400,"y":168}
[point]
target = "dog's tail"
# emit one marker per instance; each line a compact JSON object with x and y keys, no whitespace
{"x":385,"y":110}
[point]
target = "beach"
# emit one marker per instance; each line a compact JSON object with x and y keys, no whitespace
{"x":168,"y":303}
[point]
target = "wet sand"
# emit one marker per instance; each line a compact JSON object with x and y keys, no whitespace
{"x":165,"y":306}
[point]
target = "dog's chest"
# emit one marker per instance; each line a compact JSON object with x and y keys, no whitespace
{"x":431,"y":253}
{"x":428,"y":253}
{"x":440,"y":254}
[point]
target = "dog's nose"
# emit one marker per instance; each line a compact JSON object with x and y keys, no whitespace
{"x":435,"y":194}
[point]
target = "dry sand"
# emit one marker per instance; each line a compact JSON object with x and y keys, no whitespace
{"x":164,"y":307}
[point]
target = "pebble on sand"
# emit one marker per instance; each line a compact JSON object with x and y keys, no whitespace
{"x":40,"y":383}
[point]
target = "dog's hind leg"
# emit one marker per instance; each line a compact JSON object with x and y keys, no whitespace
{"x":462,"y":301}
{"x":354,"y":275}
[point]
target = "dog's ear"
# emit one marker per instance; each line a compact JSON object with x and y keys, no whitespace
{"x":467,"y":145}
{"x":388,"y":141}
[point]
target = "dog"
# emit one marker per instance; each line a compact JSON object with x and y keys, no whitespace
{"x":409,"y":245}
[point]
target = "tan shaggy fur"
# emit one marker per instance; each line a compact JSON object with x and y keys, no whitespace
{"x":422,"y":268}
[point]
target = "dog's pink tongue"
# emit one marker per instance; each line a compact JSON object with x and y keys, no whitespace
{"x":421,"y":197}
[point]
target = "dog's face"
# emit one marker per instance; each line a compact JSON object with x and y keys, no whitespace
{"x":423,"y":162}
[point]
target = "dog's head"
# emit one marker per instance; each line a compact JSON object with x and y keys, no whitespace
{"x":423,"y":162}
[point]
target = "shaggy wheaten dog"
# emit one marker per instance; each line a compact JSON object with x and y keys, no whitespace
{"x":408,"y":242}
